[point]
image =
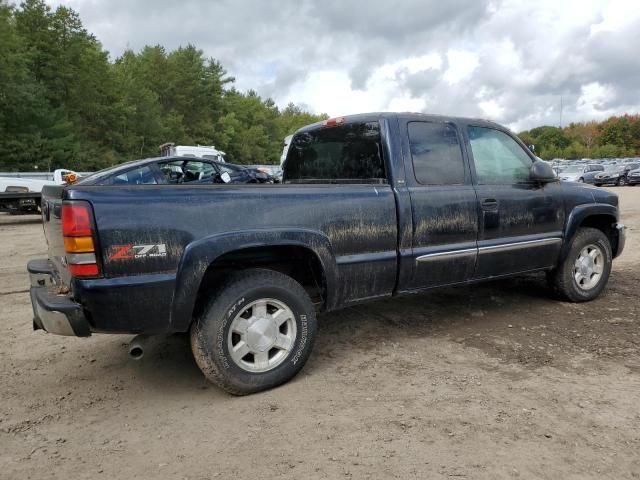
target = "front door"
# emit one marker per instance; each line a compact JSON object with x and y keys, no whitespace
{"x":521,"y":222}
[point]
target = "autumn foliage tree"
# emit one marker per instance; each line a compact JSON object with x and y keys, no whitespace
{"x":614,"y":137}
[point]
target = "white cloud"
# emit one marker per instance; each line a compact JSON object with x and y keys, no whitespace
{"x":594,"y":98}
{"x":510,"y":60}
{"x":461,"y":65}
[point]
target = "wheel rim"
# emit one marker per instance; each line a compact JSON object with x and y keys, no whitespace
{"x":262,"y":335}
{"x":588,"y":267}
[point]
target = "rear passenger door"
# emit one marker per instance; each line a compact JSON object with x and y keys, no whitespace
{"x":521,"y":221}
{"x":443,"y":204}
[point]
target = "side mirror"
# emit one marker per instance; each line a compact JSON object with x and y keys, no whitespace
{"x":225,"y":177}
{"x":542,"y":172}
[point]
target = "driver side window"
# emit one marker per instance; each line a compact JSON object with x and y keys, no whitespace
{"x":498,"y":158}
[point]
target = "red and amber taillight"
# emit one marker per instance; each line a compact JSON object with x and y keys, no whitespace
{"x":77,"y":231}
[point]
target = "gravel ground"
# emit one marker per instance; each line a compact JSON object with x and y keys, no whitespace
{"x":493,"y":381}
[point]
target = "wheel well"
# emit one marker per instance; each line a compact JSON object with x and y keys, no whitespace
{"x":603,"y":223}
{"x":300,"y":263}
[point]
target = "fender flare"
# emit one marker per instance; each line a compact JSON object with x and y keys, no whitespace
{"x":578,"y":215}
{"x":199,"y":255}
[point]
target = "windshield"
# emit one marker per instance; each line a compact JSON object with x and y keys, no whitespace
{"x":105,"y":172}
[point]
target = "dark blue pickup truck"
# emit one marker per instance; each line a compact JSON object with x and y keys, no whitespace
{"x":371,"y":206}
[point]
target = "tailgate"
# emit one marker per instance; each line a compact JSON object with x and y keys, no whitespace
{"x":52,"y":223}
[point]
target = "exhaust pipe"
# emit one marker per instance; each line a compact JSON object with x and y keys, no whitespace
{"x":137,"y":346}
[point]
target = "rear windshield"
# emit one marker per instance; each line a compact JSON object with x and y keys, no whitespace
{"x":348,"y":153}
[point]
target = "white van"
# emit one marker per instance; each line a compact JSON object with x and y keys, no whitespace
{"x":173,"y":150}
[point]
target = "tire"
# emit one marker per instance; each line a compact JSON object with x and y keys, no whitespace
{"x":598,"y":184}
{"x":622,"y":181}
{"x":570,"y":281}
{"x":215,"y":337}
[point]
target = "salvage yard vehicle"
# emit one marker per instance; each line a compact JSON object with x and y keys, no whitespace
{"x":633,"y":176}
{"x":612,"y":175}
{"x":22,"y":195}
{"x":580,"y":173}
{"x":199,"y":151}
{"x":175,"y":170}
{"x":371,"y":206}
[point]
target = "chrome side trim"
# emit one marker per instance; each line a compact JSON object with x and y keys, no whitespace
{"x":508,"y":247}
{"x":430,"y":257}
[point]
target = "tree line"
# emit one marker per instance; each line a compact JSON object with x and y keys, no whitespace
{"x":616,"y":137}
{"x":64,"y":103}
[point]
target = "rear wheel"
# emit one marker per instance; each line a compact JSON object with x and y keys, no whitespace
{"x":585,"y":271}
{"x":256,"y":333}
{"x":621,"y":181}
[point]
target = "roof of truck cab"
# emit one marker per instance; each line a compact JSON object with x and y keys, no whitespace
{"x":375,"y":116}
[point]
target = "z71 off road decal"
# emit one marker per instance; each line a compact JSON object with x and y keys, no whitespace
{"x":130,"y":252}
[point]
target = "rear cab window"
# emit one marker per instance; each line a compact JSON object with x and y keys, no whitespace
{"x":343,"y":153}
{"x":436,"y":153}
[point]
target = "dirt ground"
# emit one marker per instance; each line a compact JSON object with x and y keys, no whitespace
{"x":492,"y":381}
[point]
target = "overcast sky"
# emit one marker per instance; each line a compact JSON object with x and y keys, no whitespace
{"x":509,"y":61}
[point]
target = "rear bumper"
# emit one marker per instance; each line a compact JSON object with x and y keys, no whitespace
{"x":131,"y":305}
{"x":54,"y":312}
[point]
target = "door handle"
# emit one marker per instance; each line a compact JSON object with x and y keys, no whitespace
{"x":489,"y":204}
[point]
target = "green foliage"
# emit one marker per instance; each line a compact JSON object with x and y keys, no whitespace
{"x":615,"y":137}
{"x":64,"y":104}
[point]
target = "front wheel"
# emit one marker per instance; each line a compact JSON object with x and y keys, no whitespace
{"x":585,"y":271}
{"x":256,"y":333}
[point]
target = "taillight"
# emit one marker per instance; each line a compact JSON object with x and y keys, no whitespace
{"x":76,"y":220}
{"x":77,"y":231}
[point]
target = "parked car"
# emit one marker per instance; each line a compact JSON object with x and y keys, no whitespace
{"x":612,"y":175}
{"x":591,"y":171}
{"x":628,"y":167}
{"x":372,"y":206}
{"x":633,"y":177}
{"x":175,"y":170}
{"x":580,"y":173}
